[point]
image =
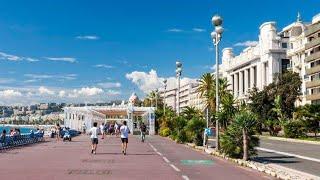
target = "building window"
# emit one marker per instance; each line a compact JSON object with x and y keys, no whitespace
{"x":284,"y":45}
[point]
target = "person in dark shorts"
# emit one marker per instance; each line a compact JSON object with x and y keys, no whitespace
{"x":124,"y":130}
{"x":94,"y":137}
{"x":143,"y":130}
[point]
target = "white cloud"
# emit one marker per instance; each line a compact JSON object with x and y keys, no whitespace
{"x":104,"y":66}
{"x":198,"y":30}
{"x":110,"y":84}
{"x":10,"y":93}
{"x":63,"y":59}
{"x":150,"y":81}
{"x":38,"y":77}
{"x":86,"y":91}
{"x":88,"y":37}
{"x":247,"y":43}
{"x":10,"y":57}
{"x":212,"y":67}
{"x":175,"y":30}
{"x":62,"y":93}
{"x":6,"y":80}
{"x":44,"y":90}
{"x":113,"y":92}
{"x":32,"y":94}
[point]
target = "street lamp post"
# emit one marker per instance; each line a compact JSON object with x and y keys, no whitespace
{"x":216,"y":37}
{"x":164,"y":96}
{"x":178,"y":73}
{"x":156,"y":96}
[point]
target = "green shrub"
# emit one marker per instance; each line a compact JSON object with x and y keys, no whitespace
{"x":181,"y":137}
{"x":195,"y":128}
{"x":295,"y":129}
{"x":231,"y":141}
{"x":165,"y":132}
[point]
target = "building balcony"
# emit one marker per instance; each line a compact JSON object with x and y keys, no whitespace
{"x":312,"y":29}
{"x":313,"y":43}
{"x":313,"y":83}
{"x":313,"y":56}
{"x":313,"y":97}
{"x":313,"y":70}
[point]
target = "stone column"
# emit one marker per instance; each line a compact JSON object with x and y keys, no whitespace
{"x":236,"y":81}
{"x":246,"y":79}
{"x":240,"y":83}
{"x":252,"y":77}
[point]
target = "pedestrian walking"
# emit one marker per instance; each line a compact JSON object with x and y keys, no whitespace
{"x":116,"y":129}
{"x":124,"y":130}
{"x":58,"y":132}
{"x":143,"y":130}
{"x":94,"y":137}
{"x":102,"y":130}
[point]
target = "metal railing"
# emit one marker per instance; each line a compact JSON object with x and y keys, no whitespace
{"x":7,"y":142}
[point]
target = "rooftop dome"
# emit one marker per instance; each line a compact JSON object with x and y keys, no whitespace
{"x":133,"y":98}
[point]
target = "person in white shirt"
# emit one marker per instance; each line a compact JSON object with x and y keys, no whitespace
{"x":94,"y":137}
{"x":124,"y":130}
{"x":116,"y":128}
{"x":102,"y":130}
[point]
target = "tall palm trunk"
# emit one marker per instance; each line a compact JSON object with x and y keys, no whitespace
{"x":245,"y":144}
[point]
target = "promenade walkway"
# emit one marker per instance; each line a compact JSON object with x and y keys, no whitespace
{"x":158,"y":158}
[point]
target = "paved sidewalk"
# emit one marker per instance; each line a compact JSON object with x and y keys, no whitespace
{"x":73,"y":161}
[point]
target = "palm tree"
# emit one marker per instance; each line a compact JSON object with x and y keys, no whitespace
{"x":190,"y":112}
{"x":228,"y":110}
{"x":246,"y":121}
{"x":205,"y":89}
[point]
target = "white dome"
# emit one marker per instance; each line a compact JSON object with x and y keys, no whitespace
{"x":133,"y":98}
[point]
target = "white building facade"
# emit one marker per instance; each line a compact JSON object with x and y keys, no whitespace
{"x":256,"y":65}
{"x":189,"y":97}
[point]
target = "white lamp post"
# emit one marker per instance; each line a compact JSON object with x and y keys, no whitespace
{"x":164,"y":96}
{"x":178,"y":74}
{"x":216,"y":37}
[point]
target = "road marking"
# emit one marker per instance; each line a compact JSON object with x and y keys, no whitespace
{"x":185,"y":177}
{"x":159,"y":153}
{"x":175,"y":168}
{"x":288,"y":154}
{"x":166,"y":160}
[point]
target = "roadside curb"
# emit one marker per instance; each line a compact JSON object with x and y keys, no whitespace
{"x":270,"y":169}
{"x":290,"y":140}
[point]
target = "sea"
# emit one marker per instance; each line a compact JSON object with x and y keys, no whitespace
{"x":23,"y":130}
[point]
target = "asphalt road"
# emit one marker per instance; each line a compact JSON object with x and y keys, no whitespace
{"x":157,"y":158}
{"x":307,"y":151}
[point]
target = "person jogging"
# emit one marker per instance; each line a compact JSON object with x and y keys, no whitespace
{"x":124,"y":130}
{"x":94,"y":137}
{"x":143,"y":130}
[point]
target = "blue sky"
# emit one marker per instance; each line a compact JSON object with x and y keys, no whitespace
{"x":81,"y":50}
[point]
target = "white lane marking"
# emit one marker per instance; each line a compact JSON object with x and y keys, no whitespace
{"x":166,"y":160}
{"x":159,"y":153}
{"x":288,"y":154}
{"x":185,"y":177}
{"x":175,"y":168}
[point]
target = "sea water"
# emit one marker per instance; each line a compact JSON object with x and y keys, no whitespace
{"x":22,"y":129}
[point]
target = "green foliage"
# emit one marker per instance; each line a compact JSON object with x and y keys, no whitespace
{"x":228,"y":110}
{"x":294,"y":129}
{"x":275,"y":101}
{"x":195,"y":128}
{"x":310,"y":116}
{"x":165,"y":132}
{"x":232,"y":139}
